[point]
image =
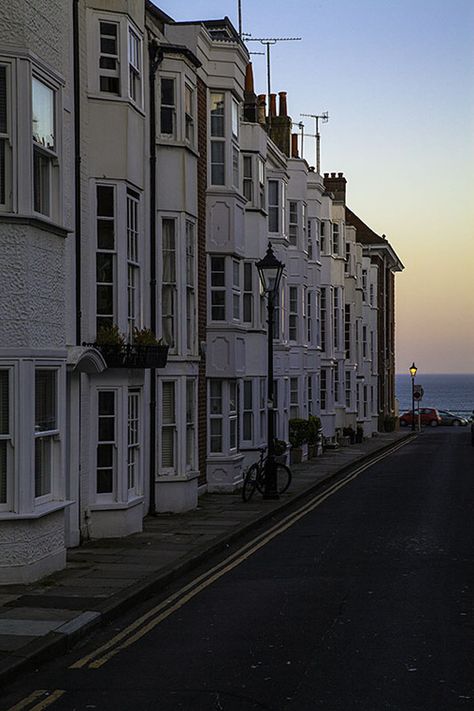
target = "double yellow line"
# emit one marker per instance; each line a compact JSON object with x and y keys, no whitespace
{"x":153,"y":617}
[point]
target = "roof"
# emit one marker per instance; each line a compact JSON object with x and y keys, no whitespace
{"x":372,"y":241}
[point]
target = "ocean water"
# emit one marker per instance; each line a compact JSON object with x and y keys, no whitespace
{"x":454,"y":392}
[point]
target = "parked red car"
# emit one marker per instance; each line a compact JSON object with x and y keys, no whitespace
{"x":428,"y":416}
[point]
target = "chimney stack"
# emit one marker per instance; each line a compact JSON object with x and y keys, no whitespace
{"x":279,"y":127}
{"x":336,"y":184}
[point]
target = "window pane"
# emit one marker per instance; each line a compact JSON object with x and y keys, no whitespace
{"x":105,"y":200}
{"x":4,"y":402}
{"x":3,"y":99}
{"x":3,"y":472}
{"x":43,"y":465}
{"x":41,"y":164}
{"x":168,"y":403}
{"x":43,"y":114}
{"x":217,"y":115}
{"x":45,"y":400}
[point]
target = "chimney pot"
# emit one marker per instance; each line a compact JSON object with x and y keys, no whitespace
{"x":262,"y":108}
{"x":294,"y":145}
{"x":283,"y":107}
{"x":333,"y":175}
{"x":340,"y":175}
{"x":326,"y":175}
{"x":249,"y":78}
{"x":272,"y":105}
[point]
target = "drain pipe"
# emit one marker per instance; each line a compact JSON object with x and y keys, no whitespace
{"x":77,"y":166}
{"x":155,"y":54}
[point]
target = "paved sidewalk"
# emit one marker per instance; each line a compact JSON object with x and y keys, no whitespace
{"x":106,"y":577}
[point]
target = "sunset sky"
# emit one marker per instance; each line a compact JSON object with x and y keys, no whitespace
{"x":397,"y":78}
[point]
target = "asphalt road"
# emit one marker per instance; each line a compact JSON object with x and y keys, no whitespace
{"x":363,"y":603}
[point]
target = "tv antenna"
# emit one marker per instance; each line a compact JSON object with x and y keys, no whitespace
{"x":324,"y":117}
{"x":269,"y":41}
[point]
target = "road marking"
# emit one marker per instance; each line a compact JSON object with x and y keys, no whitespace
{"x":51,"y":697}
{"x":153,"y":617}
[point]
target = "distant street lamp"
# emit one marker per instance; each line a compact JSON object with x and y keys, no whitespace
{"x":270,"y":270}
{"x":413,"y":370}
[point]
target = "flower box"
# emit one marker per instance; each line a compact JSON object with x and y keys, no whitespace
{"x":132,"y":355}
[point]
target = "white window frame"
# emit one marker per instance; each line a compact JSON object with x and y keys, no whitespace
{"x":189,"y":113}
{"x":45,"y":158}
{"x":6,"y":142}
{"x":247,"y":412}
{"x":169,"y":424}
{"x":169,"y":107}
{"x":190,"y":416}
{"x":50,"y":437}
{"x":133,"y":262}
{"x":134,"y":431}
{"x":294,"y":398}
{"x":293,"y":223}
{"x":106,"y":319}
{"x":135,"y":67}
{"x":293,"y":313}
{"x":169,"y":281}
{"x":248,"y":293}
{"x":223,"y":399}
{"x":217,"y":133}
{"x":112,"y":495}
{"x":7,"y":437}
{"x":108,"y":72}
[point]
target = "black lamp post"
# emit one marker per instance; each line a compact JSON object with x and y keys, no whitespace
{"x":270,"y":270}
{"x":413,"y":370}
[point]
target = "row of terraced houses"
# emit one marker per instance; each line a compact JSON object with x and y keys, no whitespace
{"x":141,"y":179}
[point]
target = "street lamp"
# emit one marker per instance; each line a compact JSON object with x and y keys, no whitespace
{"x":270,"y":270}
{"x":413,"y":370}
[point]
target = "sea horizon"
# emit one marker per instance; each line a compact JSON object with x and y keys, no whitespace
{"x":445,"y":391}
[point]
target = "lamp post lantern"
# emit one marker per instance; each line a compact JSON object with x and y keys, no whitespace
{"x":270,"y":270}
{"x":413,"y":370}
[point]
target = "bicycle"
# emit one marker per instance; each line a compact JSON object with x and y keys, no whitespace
{"x":255,"y":477}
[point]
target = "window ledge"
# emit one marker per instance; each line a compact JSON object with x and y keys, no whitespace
{"x":174,"y":478}
{"x":37,"y":221}
{"x":39,"y":512}
{"x":117,"y":505}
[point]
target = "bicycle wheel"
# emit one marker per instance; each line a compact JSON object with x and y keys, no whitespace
{"x":283,"y":478}
{"x":250,"y":482}
{"x":283,"y":474}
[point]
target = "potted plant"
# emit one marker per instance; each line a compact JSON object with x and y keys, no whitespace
{"x":112,"y":344}
{"x":298,"y":436}
{"x":349,"y":432}
{"x":314,"y":435}
{"x":148,"y":350}
{"x":279,"y":449}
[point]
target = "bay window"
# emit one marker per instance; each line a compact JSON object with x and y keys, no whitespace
{"x":273,"y":206}
{"x":236,"y":290}
{"x":323,"y":395}
{"x":335,"y":238}
{"x":248,"y":178}
{"x":216,"y":413}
